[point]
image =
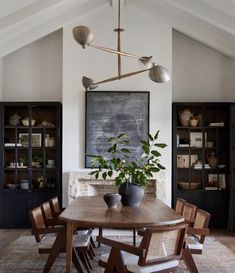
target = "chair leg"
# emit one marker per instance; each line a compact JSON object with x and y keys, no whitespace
{"x":87,"y":259}
{"x":100,"y":234}
{"x":76,"y":262}
{"x":115,"y":262}
{"x":189,"y":261}
{"x":93,"y":243}
{"x":134,"y":237}
{"x":58,"y":244}
{"x":91,"y":252}
{"x":84,"y":261}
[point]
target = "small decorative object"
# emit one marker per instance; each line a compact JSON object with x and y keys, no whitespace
{"x":185,"y":116}
{"x":132,"y":175}
{"x":194,"y":121}
{"x":24,"y":184}
{"x":50,"y":163}
{"x":210,"y":144}
{"x":25,"y":121}
{"x":112,"y":199}
{"x":196,"y":139}
{"x":14,"y":120}
{"x":46,"y":123}
{"x":212,"y":159}
{"x":41,"y":181}
{"x":52,"y":142}
{"x":47,"y":140}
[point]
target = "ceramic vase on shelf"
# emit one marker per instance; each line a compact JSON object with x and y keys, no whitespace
{"x":185,"y":116}
{"x":212,"y":159}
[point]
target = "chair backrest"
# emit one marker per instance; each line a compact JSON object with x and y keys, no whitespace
{"x":179,"y":206}
{"x":46,"y":210}
{"x":37,"y":222}
{"x":162,"y":244}
{"x":189,"y":212}
{"x":201,"y":221}
{"x":55,"y":206}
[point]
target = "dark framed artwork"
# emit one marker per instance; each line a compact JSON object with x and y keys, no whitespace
{"x":109,"y":113}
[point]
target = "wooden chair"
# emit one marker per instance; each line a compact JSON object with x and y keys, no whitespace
{"x":189,"y":213}
{"x":48,"y":217}
{"x":55,"y":207}
{"x":195,"y":238}
{"x":180,"y":202}
{"x":53,"y":241}
{"x":159,"y":251}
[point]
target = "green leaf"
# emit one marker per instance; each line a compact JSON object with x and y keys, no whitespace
{"x":160,"y":166}
{"x":160,"y":145}
{"x":144,"y":142}
{"x":122,"y":135}
{"x":97,"y":175}
{"x":155,"y":153}
{"x":111,"y":139}
{"x":156,"y":135}
{"x":124,"y":142}
{"x":110,"y":149}
{"x":146,"y":149}
{"x":93,"y":172}
{"x":125,"y":150}
{"x":154,"y":170}
{"x":150,"y":137}
{"x":110,"y":173}
{"x":104,"y":175}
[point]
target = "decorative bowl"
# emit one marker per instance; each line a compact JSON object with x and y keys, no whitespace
{"x":112,"y":199}
{"x":184,"y":185}
{"x":25,"y":122}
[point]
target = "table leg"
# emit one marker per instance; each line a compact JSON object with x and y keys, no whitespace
{"x":69,"y":246}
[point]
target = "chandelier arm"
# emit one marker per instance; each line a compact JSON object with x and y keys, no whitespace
{"x":123,"y":76}
{"x":114,"y":51}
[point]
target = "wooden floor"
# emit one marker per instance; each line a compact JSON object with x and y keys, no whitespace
{"x":9,"y":235}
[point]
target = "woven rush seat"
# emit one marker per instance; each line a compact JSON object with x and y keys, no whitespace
{"x":131,"y":263}
{"x":78,"y":241}
{"x":193,"y":243}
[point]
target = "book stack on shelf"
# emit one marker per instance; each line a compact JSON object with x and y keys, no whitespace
{"x":217,"y":124}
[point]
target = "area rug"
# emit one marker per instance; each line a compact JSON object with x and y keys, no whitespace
{"x":21,"y":256}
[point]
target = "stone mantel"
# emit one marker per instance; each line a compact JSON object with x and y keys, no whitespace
{"x":81,"y":183}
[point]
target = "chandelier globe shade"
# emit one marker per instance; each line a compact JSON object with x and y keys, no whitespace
{"x":82,"y":35}
{"x":159,"y":74}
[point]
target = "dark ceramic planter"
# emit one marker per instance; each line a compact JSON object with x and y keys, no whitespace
{"x":131,"y":194}
{"x":112,"y":199}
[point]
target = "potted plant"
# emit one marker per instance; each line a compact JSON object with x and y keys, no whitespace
{"x":131,"y":176}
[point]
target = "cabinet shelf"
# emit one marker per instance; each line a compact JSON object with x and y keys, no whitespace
{"x":210,"y":147}
{"x":21,"y":185}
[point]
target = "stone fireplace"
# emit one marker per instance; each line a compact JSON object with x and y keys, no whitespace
{"x":83,"y":184}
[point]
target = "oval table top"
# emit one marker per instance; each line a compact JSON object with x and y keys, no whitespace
{"x":91,"y":211}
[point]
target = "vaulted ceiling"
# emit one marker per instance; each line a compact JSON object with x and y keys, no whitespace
{"x":209,"y":21}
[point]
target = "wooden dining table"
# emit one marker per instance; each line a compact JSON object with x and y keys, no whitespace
{"x":92,"y":212}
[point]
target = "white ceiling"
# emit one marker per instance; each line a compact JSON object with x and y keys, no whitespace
{"x":209,"y":21}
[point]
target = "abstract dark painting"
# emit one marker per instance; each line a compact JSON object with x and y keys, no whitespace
{"x":109,"y":113}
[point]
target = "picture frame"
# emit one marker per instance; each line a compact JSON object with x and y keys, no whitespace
{"x":196,"y":139}
{"x":109,"y":113}
{"x":217,"y":180}
{"x":186,"y":161}
{"x":36,"y":139}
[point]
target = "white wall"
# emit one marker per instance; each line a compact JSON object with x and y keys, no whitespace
{"x":34,"y":72}
{"x":200,"y":73}
{"x":141,"y":37}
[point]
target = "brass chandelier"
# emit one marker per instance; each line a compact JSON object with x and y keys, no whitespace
{"x":84,"y":37}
